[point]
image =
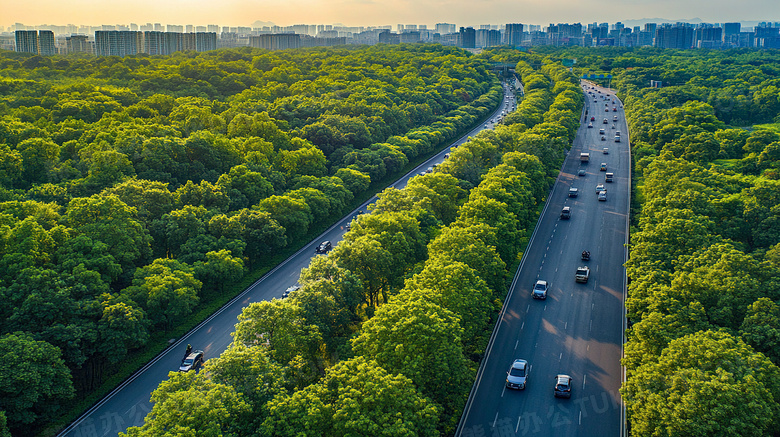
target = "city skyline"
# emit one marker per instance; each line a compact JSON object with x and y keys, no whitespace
{"x":379,"y":12}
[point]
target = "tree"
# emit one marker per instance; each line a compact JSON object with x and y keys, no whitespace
{"x":167,"y":289}
{"x":108,"y":219}
{"x":356,"y":397}
{"x":456,"y":287}
{"x":292,"y":213}
{"x":331,"y":299}
{"x":700,"y":385}
{"x":761,"y":328}
{"x":261,"y":233}
{"x":371,"y":263}
{"x":466,"y":245}
{"x":219,"y":268}
{"x":107,"y":168}
{"x":191,"y":404}
{"x":422,"y":341}
{"x":34,"y":381}
{"x":38,"y":157}
{"x":250,"y":372}
{"x":354,"y":180}
{"x":279,"y":327}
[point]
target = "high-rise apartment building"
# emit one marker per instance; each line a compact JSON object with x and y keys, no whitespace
{"x":445,"y":28}
{"x":678,"y":36}
{"x":118,"y":42}
{"x":26,"y":41}
{"x":513,"y":34}
{"x":46,"y":43}
{"x":77,"y":44}
{"x":276,"y":41}
{"x":468,"y":37}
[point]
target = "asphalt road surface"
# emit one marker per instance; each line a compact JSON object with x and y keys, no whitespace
{"x":129,"y":404}
{"x":578,"y":329}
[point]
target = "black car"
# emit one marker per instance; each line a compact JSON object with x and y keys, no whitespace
{"x":324,"y":247}
{"x":192,"y":362}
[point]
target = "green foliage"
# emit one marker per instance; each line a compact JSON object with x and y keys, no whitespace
{"x":705,"y":234}
{"x":701,"y":385}
{"x":34,"y":382}
{"x":356,"y":397}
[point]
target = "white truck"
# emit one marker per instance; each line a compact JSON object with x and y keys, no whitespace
{"x":584,"y":157}
{"x":582,"y":275}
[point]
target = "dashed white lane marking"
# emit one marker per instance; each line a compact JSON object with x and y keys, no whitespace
{"x":518,"y":424}
{"x":565,"y":325}
{"x":516,"y":343}
{"x":494,"y":420}
{"x":584,"y":377}
{"x":560,"y":357}
{"x":527,"y":308}
{"x":580,"y":420}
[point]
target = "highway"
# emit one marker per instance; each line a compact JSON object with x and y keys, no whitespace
{"x":129,"y":403}
{"x":578,"y":329}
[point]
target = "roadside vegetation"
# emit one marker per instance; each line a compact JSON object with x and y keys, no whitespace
{"x":704,"y":339}
{"x":137,"y":192}
{"x":386,"y":332}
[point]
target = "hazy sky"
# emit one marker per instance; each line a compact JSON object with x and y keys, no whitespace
{"x":376,"y":12}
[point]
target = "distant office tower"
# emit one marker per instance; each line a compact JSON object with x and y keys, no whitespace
{"x":46,"y":43}
{"x":77,"y":44}
{"x":731,"y":34}
{"x":468,"y":37}
{"x":513,"y":35}
{"x":445,"y":28}
{"x":118,"y":42}
{"x":276,"y":41}
{"x":678,"y":36}
{"x":26,"y":41}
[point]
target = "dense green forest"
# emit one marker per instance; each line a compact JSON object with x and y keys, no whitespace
{"x":386,"y":333}
{"x":704,"y":340}
{"x":133,"y":189}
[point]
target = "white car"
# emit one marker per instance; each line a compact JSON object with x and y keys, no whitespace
{"x":602,"y":196}
{"x":517,"y":376}
{"x":600,"y":188}
{"x":540,"y":290}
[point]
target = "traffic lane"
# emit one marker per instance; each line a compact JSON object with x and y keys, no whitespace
{"x":574,"y":344}
{"x":129,"y":404}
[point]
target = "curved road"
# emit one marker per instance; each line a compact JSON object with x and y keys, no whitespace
{"x":578,"y":329}
{"x":129,"y":403}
